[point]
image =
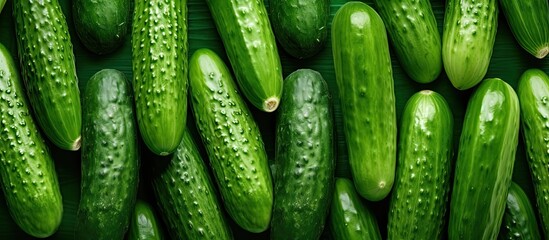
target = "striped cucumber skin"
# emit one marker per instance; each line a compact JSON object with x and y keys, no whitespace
{"x":485,"y":160}
{"x":350,"y":219}
{"x":233,"y":142}
{"x":144,"y":224}
{"x":533,"y":92}
{"x":304,"y":157}
{"x":519,"y":220}
{"x":366,"y":89}
{"x":159,"y":61}
{"x":468,"y":38}
{"x":422,"y":183}
{"x":412,"y":28}
{"x":29,"y":181}
{"x":529,"y":23}
{"x":49,"y":72}
{"x":246,"y":33}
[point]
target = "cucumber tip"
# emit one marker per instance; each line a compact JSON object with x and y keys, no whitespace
{"x":271,"y":104}
{"x":76,"y":145}
{"x":543,"y":52}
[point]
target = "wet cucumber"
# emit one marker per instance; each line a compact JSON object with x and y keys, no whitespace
{"x":29,"y":181}
{"x":519,"y":220}
{"x":144,"y":224}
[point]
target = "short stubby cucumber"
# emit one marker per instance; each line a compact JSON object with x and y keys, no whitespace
{"x":233,"y":142}
{"x":365,"y":82}
{"x":49,"y":72}
{"x":29,"y":181}
{"x":144,"y":224}
{"x":519,"y":220}
{"x":159,"y":59}
{"x":468,"y":38}
{"x":485,"y":161}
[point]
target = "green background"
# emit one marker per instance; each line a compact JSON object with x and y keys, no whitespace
{"x":508,"y":62}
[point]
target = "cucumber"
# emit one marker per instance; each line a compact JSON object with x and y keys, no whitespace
{"x":300,"y":26}
{"x":412,"y":28}
{"x":485,"y":161}
{"x":246,"y":33}
{"x":159,"y":62}
{"x":144,"y":224}
{"x":110,"y":157}
{"x":529,"y":21}
{"x":29,"y":181}
{"x":421,"y":188}
{"x":2,"y":3}
{"x":101,"y":25}
{"x":187,"y":197}
{"x":468,"y":38}
{"x":350,"y":219}
{"x":519,"y":220}
{"x":49,"y":73}
{"x":365,"y":82}
{"x":304,"y":158}
{"x":233,"y":142}
{"x":533,"y":92}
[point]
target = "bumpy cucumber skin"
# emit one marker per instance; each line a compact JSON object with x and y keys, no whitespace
{"x":110,"y":157}
{"x":365,"y":81}
{"x":519,"y":220}
{"x":412,"y":28}
{"x":529,"y":21}
{"x":144,"y":225}
{"x":533,"y":92}
{"x":246,"y":33}
{"x":159,"y":59}
{"x":304,"y":158}
{"x":350,"y":219}
{"x":485,"y":161}
{"x":300,"y":26}
{"x":49,"y":72}
{"x":187,"y":197}
{"x":101,"y":25}
{"x":27,"y":170}
{"x":468,"y":38}
{"x":422,"y":183}
{"x":233,"y":142}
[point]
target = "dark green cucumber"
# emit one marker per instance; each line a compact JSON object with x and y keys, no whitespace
{"x":485,"y":161}
{"x":519,"y":220}
{"x":110,"y":157}
{"x":529,"y":21}
{"x":468,"y":38}
{"x":300,"y":26}
{"x":27,"y":170}
{"x":233,"y":142}
{"x":144,"y":224}
{"x":187,"y":197}
{"x":412,"y":27}
{"x":101,"y":25}
{"x":365,"y":82}
{"x":304,"y":158}
{"x":159,"y":59}
{"x":422,"y":183}
{"x":350,"y":219}
{"x":250,"y":44}
{"x":49,"y":73}
{"x":533,"y":92}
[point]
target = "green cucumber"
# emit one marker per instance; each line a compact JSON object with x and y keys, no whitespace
{"x":304,"y":158}
{"x":2,"y":3}
{"x":187,"y":197}
{"x":110,"y":157}
{"x":300,"y":26}
{"x":485,"y":161}
{"x":519,"y":220}
{"x":365,"y":81}
{"x":49,"y":72}
{"x":468,"y":38}
{"x":350,"y":219}
{"x":233,"y":142}
{"x":159,"y":60}
{"x":250,"y":44}
{"x":412,"y":27}
{"x":144,"y":224}
{"x":101,"y":25}
{"x":422,"y":183}
{"x":27,"y":169}
{"x":533,"y":92}
{"x":529,"y":21}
